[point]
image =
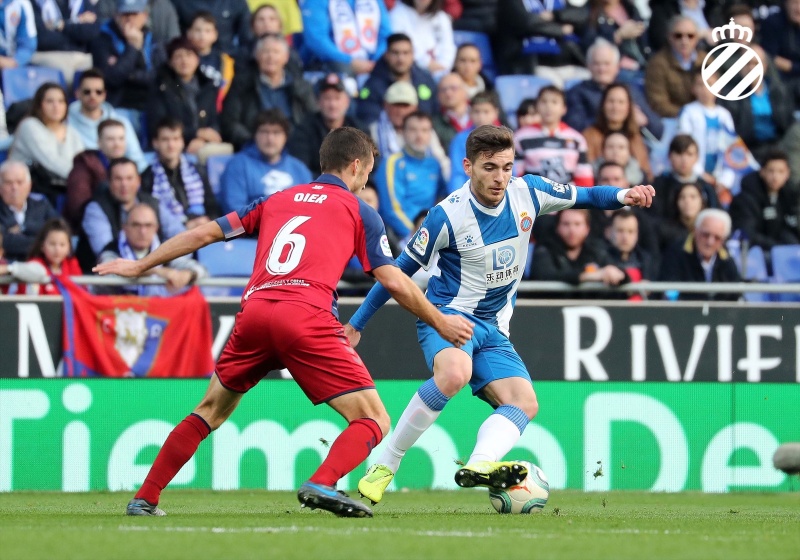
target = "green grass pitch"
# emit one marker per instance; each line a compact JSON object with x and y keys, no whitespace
{"x":204,"y":525}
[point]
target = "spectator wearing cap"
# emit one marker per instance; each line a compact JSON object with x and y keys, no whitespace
{"x":18,"y":38}
{"x":453,"y":116}
{"x":22,"y":214}
{"x":90,"y":108}
{"x":183,"y":92}
{"x":396,"y":65}
{"x":351,"y":42}
{"x":65,"y":29}
{"x":262,"y":168}
{"x":334,"y":102}
{"x":128,"y":55}
{"x":266,"y":84}
{"x":232,"y":17}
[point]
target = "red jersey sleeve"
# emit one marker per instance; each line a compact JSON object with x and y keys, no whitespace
{"x":243,"y":221}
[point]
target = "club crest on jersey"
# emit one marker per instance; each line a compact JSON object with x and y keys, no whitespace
{"x":525,"y":222}
{"x":387,"y":250}
{"x":421,"y":241}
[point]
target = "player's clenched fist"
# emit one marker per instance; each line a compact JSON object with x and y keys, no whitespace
{"x":455,"y":329}
{"x":640,"y":195}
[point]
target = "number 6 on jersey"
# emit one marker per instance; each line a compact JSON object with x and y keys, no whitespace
{"x":296,"y":244}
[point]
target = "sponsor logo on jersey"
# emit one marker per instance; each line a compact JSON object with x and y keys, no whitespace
{"x":503,"y":257}
{"x":421,"y":241}
{"x":387,"y":250}
{"x":525,"y":222}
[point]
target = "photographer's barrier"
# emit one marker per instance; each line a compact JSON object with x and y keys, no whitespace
{"x":76,"y":435}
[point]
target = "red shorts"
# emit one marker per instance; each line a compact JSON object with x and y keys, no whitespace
{"x":309,"y":341}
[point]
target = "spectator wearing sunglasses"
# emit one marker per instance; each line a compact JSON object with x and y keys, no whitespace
{"x":668,"y":75}
{"x":90,"y":108}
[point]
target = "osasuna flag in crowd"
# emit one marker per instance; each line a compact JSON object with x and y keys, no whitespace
{"x":131,"y":336}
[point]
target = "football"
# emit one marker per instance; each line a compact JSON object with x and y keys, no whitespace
{"x":529,"y":496}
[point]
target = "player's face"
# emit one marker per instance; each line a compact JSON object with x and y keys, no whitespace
{"x":490,"y":176}
{"x":625,"y":233}
{"x":112,"y":142}
{"x":56,"y":247}
{"x":573,"y":228}
{"x":362,"y":174}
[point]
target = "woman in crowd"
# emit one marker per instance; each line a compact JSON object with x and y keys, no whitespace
{"x":682,"y":211}
{"x":431,"y":32}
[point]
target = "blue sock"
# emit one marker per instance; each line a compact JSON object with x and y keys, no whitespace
{"x":432,"y":396}
{"x":515,"y":414}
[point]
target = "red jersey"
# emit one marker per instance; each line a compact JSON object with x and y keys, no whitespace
{"x":306,"y":236}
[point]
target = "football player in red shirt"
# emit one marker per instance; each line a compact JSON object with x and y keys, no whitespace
{"x":306,"y":236}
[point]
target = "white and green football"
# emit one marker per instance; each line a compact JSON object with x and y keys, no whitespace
{"x":529,"y":496}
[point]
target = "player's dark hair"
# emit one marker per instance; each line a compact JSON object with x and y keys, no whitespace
{"x":419,"y":115}
{"x":487,"y":140}
{"x":396,"y":38}
{"x":774,"y":154}
{"x":273,"y":117}
{"x":486,"y":97}
{"x":108,"y":123}
{"x":168,"y":123}
{"x":120,"y":161}
{"x":681,"y":143}
{"x":55,"y":224}
{"x":342,"y":146}
{"x":554,"y":90}
{"x":204,"y":15}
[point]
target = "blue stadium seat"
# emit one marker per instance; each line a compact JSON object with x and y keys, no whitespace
{"x":513,"y":89}
{"x":215,"y":166}
{"x":480,"y":40}
{"x":233,"y":258}
{"x":752,"y":269}
{"x":20,"y":84}
{"x":786,"y":268}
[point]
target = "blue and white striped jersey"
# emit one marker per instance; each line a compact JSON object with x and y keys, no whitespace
{"x":483,"y":251}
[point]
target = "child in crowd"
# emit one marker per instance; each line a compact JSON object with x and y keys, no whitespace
{"x":50,"y":257}
{"x":683,"y":156}
{"x":215,"y":64}
{"x":713,"y":130}
{"x":485,"y":109}
{"x":526,"y":113}
{"x":551,"y":148}
{"x":617,"y":149}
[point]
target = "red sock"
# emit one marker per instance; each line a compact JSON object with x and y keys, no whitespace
{"x":349,"y":450}
{"x":176,"y":451}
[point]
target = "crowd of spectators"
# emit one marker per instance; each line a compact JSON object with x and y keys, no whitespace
{"x":116,"y":155}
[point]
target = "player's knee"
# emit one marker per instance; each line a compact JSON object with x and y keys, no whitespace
{"x":530,"y":406}
{"x":451,"y":381}
{"x":383,"y":421}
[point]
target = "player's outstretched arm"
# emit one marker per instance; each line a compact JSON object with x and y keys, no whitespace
{"x":611,"y":198}
{"x":454,"y":328}
{"x":182,"y":244}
